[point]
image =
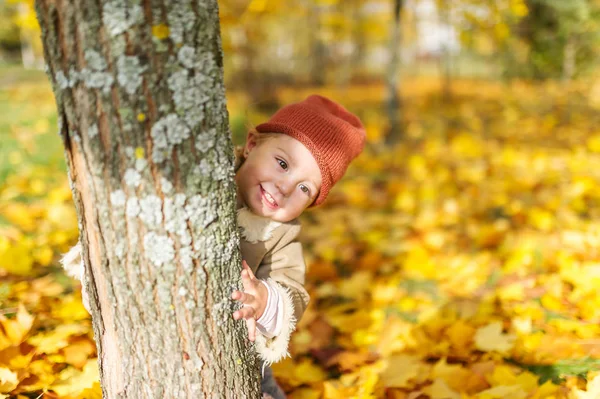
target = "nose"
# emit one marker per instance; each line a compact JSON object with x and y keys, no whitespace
{"x":284,"y":187}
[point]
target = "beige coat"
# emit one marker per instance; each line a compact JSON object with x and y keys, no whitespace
{"x":272,"y":252}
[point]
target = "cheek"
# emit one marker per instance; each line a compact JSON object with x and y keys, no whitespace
{"x":299,"y":201}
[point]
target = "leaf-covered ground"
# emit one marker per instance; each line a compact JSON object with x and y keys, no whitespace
{"x":462,"y":263}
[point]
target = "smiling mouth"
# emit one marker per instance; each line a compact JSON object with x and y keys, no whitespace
{"x":268,"y":199}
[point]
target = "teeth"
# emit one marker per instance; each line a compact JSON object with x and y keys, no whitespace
{"x":271,"y":199}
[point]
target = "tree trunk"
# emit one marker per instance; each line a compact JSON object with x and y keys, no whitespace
{"x":143,"y":119}
{"x":27,"y":54}
{"x":393,"y":101}
{"x":318,"y":49}
{"x":446,"y":57}
{"x":569,"y":56}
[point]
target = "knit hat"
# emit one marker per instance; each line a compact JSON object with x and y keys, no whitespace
{"x":332,"y":134}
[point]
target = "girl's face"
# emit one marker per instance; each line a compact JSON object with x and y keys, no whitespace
{"x":279,"y":179}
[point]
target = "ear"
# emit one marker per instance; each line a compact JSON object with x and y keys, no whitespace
{"x":251,"y":141}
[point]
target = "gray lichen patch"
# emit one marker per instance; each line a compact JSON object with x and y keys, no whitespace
{"x":95,"y":79}
{"x":191,"y":85}
{"x":205,"y":249}
{"x":140,"y":164}
{"x":151,"y":211}
{"x":130,"y":73}
{"x":132,"y":178}
{"x":202,"y":210}
{"x":187,"y":57}
{"x":117,"y":198}
{"x":176,"y":218}
{"x":94,"y":60}
{"x":181,"y":18}
{"x":186,"y":256}
{"x":214,"y":167}
{"x":166,"y":133}
{"x":158,"y":249}
{"x":221,"y":310}
{"x":120,"y":15}
{"x":189,"y":95}
{"x":93,"y":130}
{"x":61,"y":80}
{"x":206,"y":140}
{"x":166,"y":185}
{"x":133,"y":207}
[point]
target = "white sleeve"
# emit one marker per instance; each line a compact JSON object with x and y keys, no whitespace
{"x":269,"y":324}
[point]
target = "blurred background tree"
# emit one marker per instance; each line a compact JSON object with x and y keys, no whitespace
{"x":272,"y":44}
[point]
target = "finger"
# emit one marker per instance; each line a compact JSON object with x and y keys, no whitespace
{"x":245,"y":265}
{"x":251,"y":324}
{"x":250,"y":272}
{"x":247,"y":312}
{"x":248,"y":283}
{"x":248,"y":269}
{"x":243,"y":297}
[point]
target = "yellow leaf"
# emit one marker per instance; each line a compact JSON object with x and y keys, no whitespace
{"x":593,"y":143}
{"x":15,"y":330}
{"x":62,"y":216}
{"x":307,"y":372}
{"x":592,"y":391}
{"x":461,"y":335}
{"x":518,"y":8}
{"x":541,"y":219}
{"x":43,"y":255}
{"x":305,"y":393}
{"x":160,"y":31}
{"x":17,"y":258}
{"x":490,"y":338}
{"x":403,"y":371}
{"x":395,"y":336}
{"x":338,"y":390}
{"x":8,"y":380}
{"x":73,"y":381}
{"x":71,"y":309}
{"x":440,"y":390}
{"x":95,"y":392}
{"x":53,"y":341}
{"x":453,"y":375}
{"x":551,"y":302}
{"x":503,"y":392}
{"x":467,"y":145}
{"x":522,"y":325}
{"x":545,"y":391}
{"x":44,"y":372}
{"x":356,"y":286}
{"x":257,"y":6}
{"x":78,"y":352}
{"x":20,"y":215}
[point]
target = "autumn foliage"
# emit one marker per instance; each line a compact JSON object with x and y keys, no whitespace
{"x":462,"y":263}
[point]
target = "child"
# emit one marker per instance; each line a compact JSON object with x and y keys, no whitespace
{"x":288,"y":164}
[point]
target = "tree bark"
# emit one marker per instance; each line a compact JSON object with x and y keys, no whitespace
{"x":143,"y":119}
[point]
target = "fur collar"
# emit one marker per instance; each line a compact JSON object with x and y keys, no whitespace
{"x":255,"y":228}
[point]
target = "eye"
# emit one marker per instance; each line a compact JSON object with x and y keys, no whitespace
{"x":282,"y":163}
{"x":305,"y":189}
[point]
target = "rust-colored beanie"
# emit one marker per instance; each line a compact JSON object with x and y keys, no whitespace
{"x":331,"y":133}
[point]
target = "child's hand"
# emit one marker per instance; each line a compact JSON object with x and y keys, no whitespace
{"x":254,"y":298}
